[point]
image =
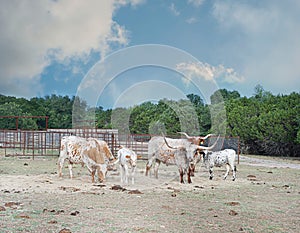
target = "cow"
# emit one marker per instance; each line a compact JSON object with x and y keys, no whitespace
{"x":219,"y":158}
{"x":127,"y":159}
{"x":197,"y":140}
{"x":171,"y":151}
{"x":95,"y":154}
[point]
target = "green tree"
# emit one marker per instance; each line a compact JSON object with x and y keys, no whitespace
{"x":103,"y":118}
{"x":223,"y":95}
{"x":141,"y":118}
{"x":13,"y":109}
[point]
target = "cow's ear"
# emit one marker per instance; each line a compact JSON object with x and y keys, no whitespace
{"x":139,"y":156}
{"x":127,"y":157}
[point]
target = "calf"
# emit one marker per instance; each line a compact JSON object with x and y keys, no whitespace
{"x":127,"y":159}
{"x":220,"y":158}
{"x":95,"y":154}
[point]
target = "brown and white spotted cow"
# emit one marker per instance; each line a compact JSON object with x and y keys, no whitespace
{"x":95,"y":154}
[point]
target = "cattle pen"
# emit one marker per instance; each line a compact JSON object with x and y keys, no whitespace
{"x":47,"y":142}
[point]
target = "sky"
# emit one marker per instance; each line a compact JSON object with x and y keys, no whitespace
{"x":125,"y":52}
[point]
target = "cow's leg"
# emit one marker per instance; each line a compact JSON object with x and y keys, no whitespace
{"x":70,"y":170}
{"x":157,"y":163}
{"x":121,"y":173}
{"x":60,"y":165}
{"x":227,"y":171}
{"x":192,"y":169}
{"x":126,"y":173}
{"x":211,"y":173}
{"x":189,"y":176}
{"x":233,"y":173}
{"x":61,"y":160}
{"x":133,"y":173}
{"x":149,"y":165}
{"x":101,"y":177}
{"x":181,"y":175}
{"x":93,"y":172}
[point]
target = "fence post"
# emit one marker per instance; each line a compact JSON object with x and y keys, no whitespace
{"x":113,"y":143}
{"x":33,"y":139}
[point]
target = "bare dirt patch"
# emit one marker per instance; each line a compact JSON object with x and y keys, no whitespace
{"x":262,"y":199}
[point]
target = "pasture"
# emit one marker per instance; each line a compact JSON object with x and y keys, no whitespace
{"x":264,"y":198}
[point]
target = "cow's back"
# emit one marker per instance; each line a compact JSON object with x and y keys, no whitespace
{"x":157,"y":148}
{"x":72,"y":147}
{"x":94,"y":151}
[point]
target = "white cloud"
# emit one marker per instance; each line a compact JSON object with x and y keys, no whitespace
{"x":208,"y":72}
{"x":173,"y":9}
{"x":265,"y":39}
{"x":132,"y":2}
{"x":249,"y":18}
{"x":191,"y":20}
{"x":196,"y":3}
{"x":34,"y":32}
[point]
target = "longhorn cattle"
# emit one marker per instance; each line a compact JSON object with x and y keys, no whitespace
{"x":171,"y":151}
{"x":220,"y":158}
{"x":197,"y":140}
{"x":95,"y":154}
{"x":127,"y":159}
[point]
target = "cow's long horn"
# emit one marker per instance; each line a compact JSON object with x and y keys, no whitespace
{"x":185,"y":134}
{"x":207,"y":136}
{"x":208,"y":147}
{"x":168,"y":144}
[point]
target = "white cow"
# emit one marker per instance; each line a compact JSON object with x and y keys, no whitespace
{"x":220,"y":158}
{"x":127,"y":159}
{"x":171,"y":151}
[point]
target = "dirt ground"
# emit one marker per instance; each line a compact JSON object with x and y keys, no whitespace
{"x":264,"y":198}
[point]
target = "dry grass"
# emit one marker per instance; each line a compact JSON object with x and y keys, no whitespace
{"x":34,"y":199}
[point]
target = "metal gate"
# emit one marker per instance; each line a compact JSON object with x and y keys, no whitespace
{"x":47,"y":143}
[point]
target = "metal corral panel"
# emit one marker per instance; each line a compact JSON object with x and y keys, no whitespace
{"x":47,"y":143}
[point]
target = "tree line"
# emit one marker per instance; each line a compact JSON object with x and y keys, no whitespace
{"x":266,"y":123}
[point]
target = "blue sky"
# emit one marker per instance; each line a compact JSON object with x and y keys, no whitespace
{"x":50,"y":47}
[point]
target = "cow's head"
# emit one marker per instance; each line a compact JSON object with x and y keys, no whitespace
{"x":197,"y":153}
{"x":197,"y":158}
{"x":131,"y":160}
{"x":111,"y":166}
{"x":197,"y":140}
